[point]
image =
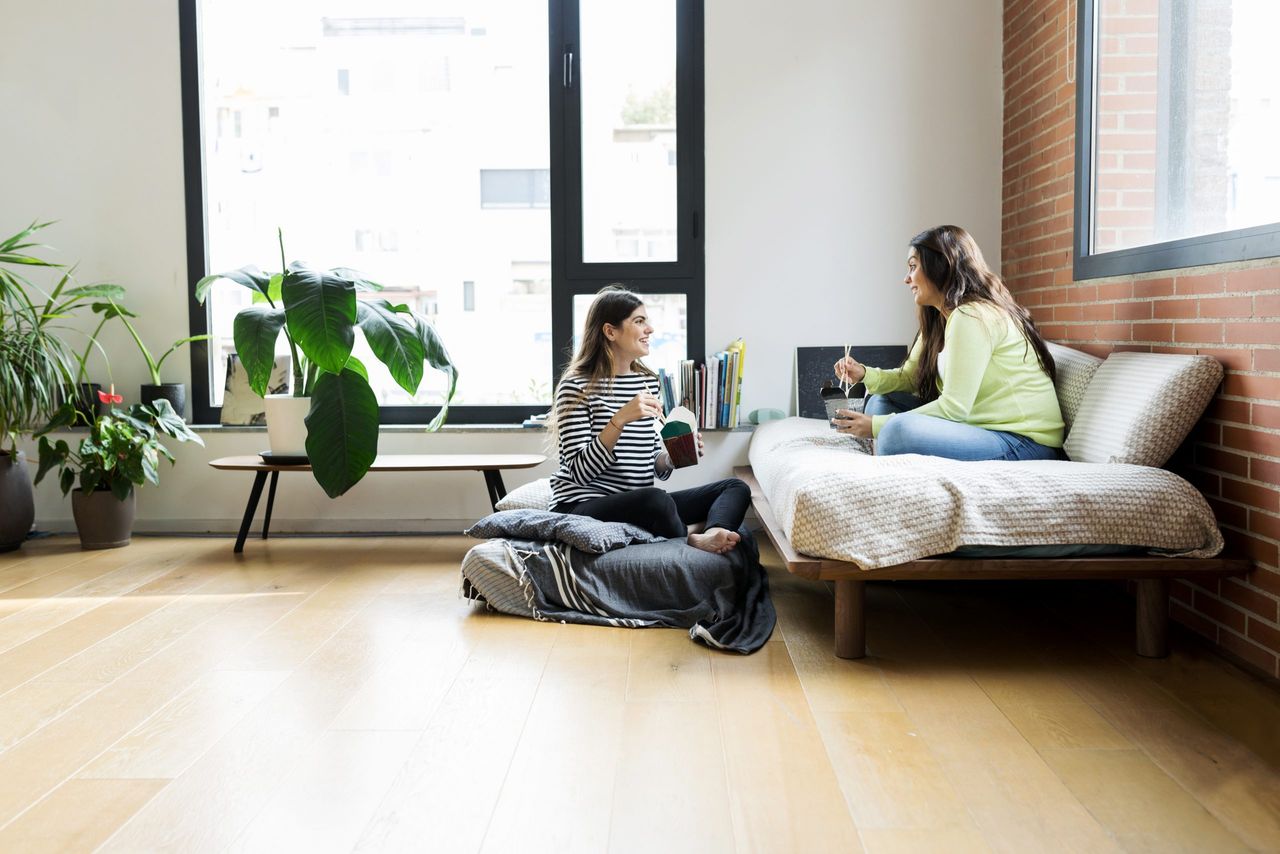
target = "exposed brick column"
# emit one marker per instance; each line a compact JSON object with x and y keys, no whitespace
{"x":1230,"y":312}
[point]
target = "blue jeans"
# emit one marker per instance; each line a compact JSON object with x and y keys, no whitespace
{"x":909,"y":433}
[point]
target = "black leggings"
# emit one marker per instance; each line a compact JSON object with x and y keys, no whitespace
{"x":722,"y":504}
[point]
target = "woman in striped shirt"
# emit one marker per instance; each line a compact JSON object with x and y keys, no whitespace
{"x":610,"y":450}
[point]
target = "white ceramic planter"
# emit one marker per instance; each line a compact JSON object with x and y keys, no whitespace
{"x":286,"y":427}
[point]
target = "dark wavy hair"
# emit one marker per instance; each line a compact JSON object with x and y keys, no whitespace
{"x":951,"y":259}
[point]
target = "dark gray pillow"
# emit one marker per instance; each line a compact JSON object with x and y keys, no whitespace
{"x":580,"y":532}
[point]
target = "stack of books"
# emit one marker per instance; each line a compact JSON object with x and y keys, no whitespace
{"x":711,"y":389}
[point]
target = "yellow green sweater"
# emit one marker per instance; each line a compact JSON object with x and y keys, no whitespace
{"x":988,"y":376}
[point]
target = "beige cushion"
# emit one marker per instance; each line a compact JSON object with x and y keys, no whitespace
{"x":1140,"y":406}
{"x":1074,"y":369}
{"x":531,"y":496}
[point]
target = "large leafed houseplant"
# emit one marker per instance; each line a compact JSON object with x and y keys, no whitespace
{"x":38,"y":365}
{"x":318,"y":312}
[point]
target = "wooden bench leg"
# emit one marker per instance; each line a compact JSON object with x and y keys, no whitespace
{"x":851,"y":625}
{"x":255,"y":493}
{"x":1153,"y":617}
{"x":497,"y":490}
{"x":271,"y":502}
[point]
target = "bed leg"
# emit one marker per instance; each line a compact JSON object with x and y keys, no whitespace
{"x":851,"y":624}
{"x":1153,"y":617}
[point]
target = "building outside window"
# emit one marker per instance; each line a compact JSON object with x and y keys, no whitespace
{"x":382,"y":176}
{"x":1179,"y":113}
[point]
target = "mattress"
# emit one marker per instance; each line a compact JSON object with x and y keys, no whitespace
{"x":834,"y":500}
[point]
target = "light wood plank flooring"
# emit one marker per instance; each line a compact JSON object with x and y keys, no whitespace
{"x":335,"y":694}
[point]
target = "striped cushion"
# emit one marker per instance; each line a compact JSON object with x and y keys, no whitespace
{"x":490,"y":573}
{"x":1140,"y":406}
{"x":1075,"y":369}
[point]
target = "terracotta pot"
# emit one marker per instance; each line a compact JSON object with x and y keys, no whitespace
{"x":17,"y":501}
{"x":175,"y":393}
{"x":286,"y":425}
{"x":103,"y":521}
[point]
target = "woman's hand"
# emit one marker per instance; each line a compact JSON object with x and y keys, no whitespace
{"x":643,"y":405}
{"x":852,"y":423}
{"x":850,"y":370}
{"x":702,"y":451}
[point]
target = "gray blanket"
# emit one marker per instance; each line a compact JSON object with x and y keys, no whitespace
{"x":633,"y":579}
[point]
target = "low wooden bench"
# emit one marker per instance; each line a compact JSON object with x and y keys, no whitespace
{"x":490,"y":464}
{"x":1151,"y":574}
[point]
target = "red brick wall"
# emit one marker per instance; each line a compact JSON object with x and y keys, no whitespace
{"x":1230,"y":312}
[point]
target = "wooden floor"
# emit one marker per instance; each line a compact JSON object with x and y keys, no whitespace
{"x":336,"y":695}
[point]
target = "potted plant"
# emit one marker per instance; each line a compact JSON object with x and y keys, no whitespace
{"x":122,"y":451}
{"x":332,"y":412}
{"x":175,"y":393}
{"x":37,"y":367}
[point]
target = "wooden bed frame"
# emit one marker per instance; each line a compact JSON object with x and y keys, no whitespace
{"x":1152,"y":575}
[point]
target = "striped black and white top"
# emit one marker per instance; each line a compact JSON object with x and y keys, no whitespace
{"x":587,"y":468}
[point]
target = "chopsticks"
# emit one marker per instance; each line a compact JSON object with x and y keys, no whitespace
{"x":845,"y":385}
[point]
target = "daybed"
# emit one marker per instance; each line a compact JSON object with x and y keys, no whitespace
{"x":836,"y":513}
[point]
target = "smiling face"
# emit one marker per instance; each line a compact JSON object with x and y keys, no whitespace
{"x":629,"y":340}
{"x":923,"y":290}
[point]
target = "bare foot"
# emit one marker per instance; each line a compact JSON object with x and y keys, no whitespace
{"x":695,"y":528}
{"x":715,"y":540}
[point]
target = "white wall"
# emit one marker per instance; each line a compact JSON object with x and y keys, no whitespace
{"x":835,"y":130}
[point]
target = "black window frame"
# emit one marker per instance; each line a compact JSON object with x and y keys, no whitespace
{"x":1244,"y":244}
{"x":569,"y":275}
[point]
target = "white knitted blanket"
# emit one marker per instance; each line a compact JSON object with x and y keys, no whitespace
{"x":835,"y":501}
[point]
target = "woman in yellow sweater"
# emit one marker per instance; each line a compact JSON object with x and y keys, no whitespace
{"x":980,"y":369}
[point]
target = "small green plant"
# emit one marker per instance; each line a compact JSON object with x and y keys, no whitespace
{"x":113,"y":309}
{"x":318,"y":312}
{"x":122,"y":449}
{"x":37,"y":365}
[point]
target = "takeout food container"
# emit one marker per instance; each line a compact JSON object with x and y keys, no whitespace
{"x":680,"y":437}
{"x":681,"y":444}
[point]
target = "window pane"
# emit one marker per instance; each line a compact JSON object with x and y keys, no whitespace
{"x":668,"y":315}
{"x":628,"y":95}
{"x":413,"y":148}
{"x":1187,"y":115}
{"x":515,"y":188}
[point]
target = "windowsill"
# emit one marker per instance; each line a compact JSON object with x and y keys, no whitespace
{"x":487,"y":429}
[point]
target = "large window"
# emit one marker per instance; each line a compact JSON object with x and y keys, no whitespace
{"x":1178,"y":113}
{"x":486,"y":162}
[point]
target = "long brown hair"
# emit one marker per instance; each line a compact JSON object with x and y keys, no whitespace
{"x":952,"y":260}
{"x":594,"y":360}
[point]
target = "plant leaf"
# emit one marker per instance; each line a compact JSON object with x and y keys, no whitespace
{"x":151,"y":463}
{"x":15,"y":242}
{"x":321,"y":311}
{"x":342,"y":431}
{"x":356,"y":365}
{"x":248,"y":276}
{"x":170,"y":423}
{"x":256,"y":329}
{"x":109,"y":310}
{"x":394,"y":341}
{"x":356,"y":278}
{"x":51,"y":456}
{"x":121,"y":487}
{"x":438,"y":358}
{"x":27,"y":260}
{"x":64,"y":417}
{"x":99,"y":291}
